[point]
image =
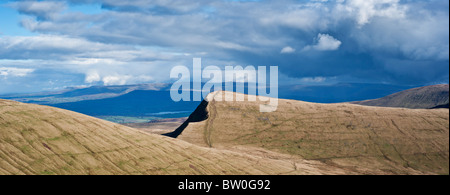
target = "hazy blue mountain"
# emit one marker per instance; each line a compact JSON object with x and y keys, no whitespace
{"x":82,"y":93}
{"x":136,"y":103}
{"x":154,"y":99}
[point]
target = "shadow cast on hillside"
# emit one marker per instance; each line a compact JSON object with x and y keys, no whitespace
{"x":200,"y":114}
{"x":442,"y":106}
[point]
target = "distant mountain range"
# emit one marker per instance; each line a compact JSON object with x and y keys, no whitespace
{"x":153,"y":100}
{"x":136,"y":103}
{"x":77,"y":94}
{"x":429,"y":97}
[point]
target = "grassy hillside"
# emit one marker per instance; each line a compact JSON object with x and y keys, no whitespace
{"x":44,"y":140}
{"x":367,"y":140}
{"x":422,"y":98}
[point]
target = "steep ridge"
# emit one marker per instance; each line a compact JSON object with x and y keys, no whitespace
{"x":436,"y":96}
{"x":367,"y":140}
{"x":44,"y":140}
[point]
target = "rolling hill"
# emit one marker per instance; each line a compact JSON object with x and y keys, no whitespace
{"x":436,"y":96}
{"x":41,"y":140}
{"x":366,"y":140}
{"x":229,"y":138}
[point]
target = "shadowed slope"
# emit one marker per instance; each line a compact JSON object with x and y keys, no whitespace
{"x":44,"y":140}
{"x":442,"y":106}
{"x":368,"y":140}
{"x":200,"y":114}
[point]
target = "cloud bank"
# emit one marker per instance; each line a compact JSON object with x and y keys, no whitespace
{"x":125,"y":42}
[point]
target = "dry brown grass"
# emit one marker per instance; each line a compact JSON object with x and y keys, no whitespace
{"x":43,"y":140}
{"x":365,"y":140}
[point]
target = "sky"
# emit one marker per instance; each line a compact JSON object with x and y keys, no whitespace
{"x":49,"y":45}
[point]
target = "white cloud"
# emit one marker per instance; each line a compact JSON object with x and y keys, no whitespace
{"x":325,"y":42}
{"x":92,"y":77}
{"x":125,"y":79}
{"x":314,"y":79}
{"x":115,"y":80}
{"x":108,"y":78}
{"x":232,"y":46}
{"x":299,"y":18}
{"x":47,"y":46}
{"x":42,"y":9}
{"x":364,"y":10}
{"x":15,"y":72}
{"x":287,"y":50}
{"x":247,"y":74}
